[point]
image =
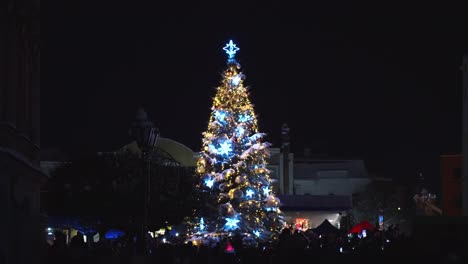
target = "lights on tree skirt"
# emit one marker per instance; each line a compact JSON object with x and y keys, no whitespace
{"x":231,"y":49}
{"x":231,"y":224}
{"x":249,"y":193}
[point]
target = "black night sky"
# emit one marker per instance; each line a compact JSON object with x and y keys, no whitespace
{"x":379,"y":81}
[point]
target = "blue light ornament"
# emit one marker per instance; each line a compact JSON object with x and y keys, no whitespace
{"x":209,"y":182}
{"x":225,"y":148}
{"x":249,"y":193}
{"x":244,"y":118}
{"x":240,"y":131}
{"x":256,"y":233}
{"x":231,"y":224}
{"x":220,"y":115}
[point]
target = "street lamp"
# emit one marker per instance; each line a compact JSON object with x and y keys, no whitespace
{"x":381,"y":226}
{"x":146,"y":135}
{"x":144,"y":131}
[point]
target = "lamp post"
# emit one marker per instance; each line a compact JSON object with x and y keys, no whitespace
{"x":381,"y":227}
{"x":146,"y":134}
{"x":285,"y":147}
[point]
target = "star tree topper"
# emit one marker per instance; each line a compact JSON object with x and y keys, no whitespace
{"x":231,"y":49}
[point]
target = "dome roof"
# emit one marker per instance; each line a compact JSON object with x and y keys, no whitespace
{"x":178,"y":151}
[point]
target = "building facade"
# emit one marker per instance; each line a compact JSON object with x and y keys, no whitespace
{"x":330,"y":177}
{"x":317,"y":189}
{"x":20,"y":176}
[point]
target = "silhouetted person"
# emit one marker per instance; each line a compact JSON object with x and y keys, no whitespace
{"x":58,"y":252}
{"x":298,"y":244}
{"x":284,"y":245}
{"x":78,"y":248}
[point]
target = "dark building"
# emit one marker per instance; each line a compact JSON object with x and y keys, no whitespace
{"x":451,"y":174}
{"x":313,"y":188}
{"x":464,"y":69}
{"x":20,"y":176}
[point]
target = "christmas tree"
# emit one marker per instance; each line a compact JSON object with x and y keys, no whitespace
{"x":234,"y":183}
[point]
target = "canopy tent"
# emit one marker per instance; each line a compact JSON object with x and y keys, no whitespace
{"x":71,"y":222}
{"x":364,"y":225}
{"x":114,"y":234}
{"x":326,"y":228}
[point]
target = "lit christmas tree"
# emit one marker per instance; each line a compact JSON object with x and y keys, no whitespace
{"x":234,"y":183}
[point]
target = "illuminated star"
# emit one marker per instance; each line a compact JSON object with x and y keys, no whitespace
{"x":231,"y":49}
{"x":231,"y":223}
{"x":236,"y":80}
{"x":249,"y":193}
{"x":240,"y":131}
{"x":220,"y":115}
{"x":225,"y":148}
{"x":257,"y":233}
{"x":209,"y":182}
{"x":266,"y":191}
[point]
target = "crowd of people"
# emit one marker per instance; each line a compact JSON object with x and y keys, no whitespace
{"x":292,"y":245}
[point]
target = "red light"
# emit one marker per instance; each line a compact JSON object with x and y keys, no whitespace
{"x":229,"y":248}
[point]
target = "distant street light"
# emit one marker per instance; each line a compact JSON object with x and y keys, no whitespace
{"x":146,"y":134}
